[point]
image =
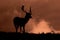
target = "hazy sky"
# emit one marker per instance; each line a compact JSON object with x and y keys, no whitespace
{"x":48,"y":10}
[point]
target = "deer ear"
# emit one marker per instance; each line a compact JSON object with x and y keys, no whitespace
{"x":22,"y":7}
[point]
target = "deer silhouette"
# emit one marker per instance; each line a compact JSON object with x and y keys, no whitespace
{"x":20,"y":22}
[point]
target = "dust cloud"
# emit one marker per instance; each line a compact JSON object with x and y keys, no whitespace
{"x":41,"y":27}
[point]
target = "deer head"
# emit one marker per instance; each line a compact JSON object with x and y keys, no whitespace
{"x":28,"y":14}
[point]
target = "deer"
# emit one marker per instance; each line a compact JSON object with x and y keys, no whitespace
{"x":21,"y":22}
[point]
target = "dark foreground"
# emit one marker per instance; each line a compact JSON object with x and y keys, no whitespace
{"x":27,"y":36}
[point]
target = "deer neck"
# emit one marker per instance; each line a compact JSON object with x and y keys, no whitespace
{"x":27,"y":18}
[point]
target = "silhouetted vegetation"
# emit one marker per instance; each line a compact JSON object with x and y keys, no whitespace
{"x":27,"y":36}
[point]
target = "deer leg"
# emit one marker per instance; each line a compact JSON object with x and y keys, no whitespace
{"x":17,"y":28}
{"x":20,"y":29}
{"x":23,"y":29}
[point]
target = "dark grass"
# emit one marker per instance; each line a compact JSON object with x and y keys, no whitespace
{"x":27,"y":36}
